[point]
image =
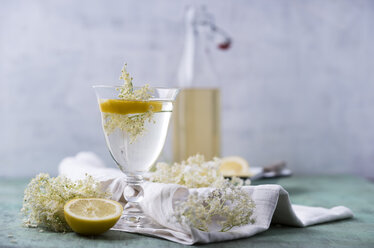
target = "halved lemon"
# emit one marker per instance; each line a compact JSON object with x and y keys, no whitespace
{"x":119,"y":106}
{"x":91,"y":216}
{"x":234,"y":166}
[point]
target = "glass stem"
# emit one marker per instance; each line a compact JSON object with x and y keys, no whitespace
{"x":133,"y":214}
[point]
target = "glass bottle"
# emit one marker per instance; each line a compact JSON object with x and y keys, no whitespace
{"x":196,"y":118}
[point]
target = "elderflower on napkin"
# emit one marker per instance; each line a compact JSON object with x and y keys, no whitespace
{"x":224,"y":208}
{"x":195,"y":172}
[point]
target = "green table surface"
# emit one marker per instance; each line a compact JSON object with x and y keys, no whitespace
{"x":325,"y":191}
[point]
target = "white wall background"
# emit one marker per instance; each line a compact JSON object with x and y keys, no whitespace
{"x":298,"y":83}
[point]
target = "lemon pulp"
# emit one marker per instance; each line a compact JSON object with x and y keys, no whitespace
{"x":91,"y":216}
{"x":234,"y":166}
{"x":120,"y":106}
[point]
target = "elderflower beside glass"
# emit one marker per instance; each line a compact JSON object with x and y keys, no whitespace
{"x":135,"y":131}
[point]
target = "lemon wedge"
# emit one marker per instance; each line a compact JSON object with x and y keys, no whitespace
{"x":119,"y":106}
{"x":91,"y":216}
{"x":234,"y":166}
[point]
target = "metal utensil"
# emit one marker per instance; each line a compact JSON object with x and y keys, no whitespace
{"x":277,"y":169}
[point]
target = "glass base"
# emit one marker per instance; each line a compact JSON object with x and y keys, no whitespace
{"x":136,"y":221}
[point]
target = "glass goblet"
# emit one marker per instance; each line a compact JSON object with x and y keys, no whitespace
{"x":135,"y":133}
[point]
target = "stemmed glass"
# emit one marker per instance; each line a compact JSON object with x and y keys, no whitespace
{"x":135,"y":139}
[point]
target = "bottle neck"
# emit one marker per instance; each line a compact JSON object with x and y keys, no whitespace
{"x":196,"y":68}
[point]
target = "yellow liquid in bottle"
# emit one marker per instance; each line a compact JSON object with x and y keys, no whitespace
{"x":196,"y":124}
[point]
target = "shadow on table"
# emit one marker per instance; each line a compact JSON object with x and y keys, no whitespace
{"x":111,"y":235}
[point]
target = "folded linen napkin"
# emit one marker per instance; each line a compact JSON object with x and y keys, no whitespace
{"x":272,"y":205}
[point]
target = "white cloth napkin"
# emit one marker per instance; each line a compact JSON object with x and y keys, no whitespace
{"x":272,"y":205}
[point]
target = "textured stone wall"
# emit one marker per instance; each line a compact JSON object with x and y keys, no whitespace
{"x":298,"y":83}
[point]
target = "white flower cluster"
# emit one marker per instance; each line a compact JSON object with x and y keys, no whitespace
{"x":222,"y":208}
{"x":45,"y":197}
{"x":133,"y":124}
{"x":195,"y":172}
{"x":237,"y":181}
{"x":225,"y":207}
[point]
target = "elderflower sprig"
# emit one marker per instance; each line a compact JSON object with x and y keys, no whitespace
{"x":195,"y":172}
{"x":133,"y":125}
{"x":127,"y":87}
{"x":222,"y":208}
{"x":45,"y":197}
{"x":127,"y":91}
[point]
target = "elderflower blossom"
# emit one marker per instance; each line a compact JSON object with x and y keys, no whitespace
{"x":195,"y":172}
{"x":45,"y":197}
{"x":222,"y":208}
{"x":133,"y":125}
{"x":237,"y":181}
{"x":128,"y":86}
